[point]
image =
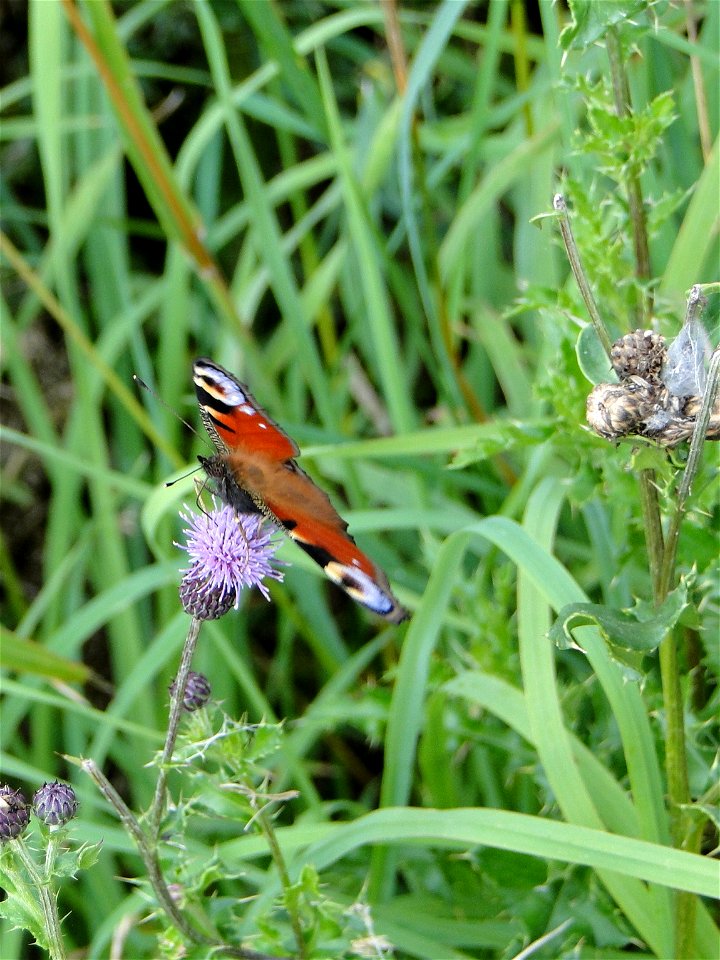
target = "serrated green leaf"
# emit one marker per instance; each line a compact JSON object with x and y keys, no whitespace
{"x":621,"y":628}
{"x":88,"y":855}
{"x":19,"y":916}
{"x":591,"y":20}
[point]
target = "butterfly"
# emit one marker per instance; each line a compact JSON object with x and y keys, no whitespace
{"x":254,"y":471}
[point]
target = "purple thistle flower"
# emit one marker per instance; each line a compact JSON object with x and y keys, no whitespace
{"x":228,"y":551}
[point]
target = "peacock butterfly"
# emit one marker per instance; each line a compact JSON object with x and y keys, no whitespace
{"x":254,"y":471}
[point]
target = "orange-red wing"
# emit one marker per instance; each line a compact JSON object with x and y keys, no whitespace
{"x":233,"y":418}
{"x":308,"y":516}
{"x":305,"y":513}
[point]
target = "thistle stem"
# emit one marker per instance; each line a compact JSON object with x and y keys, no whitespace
{"x":573,"y":255}
{"x":148,"y":853}
{"x":684,"y":832}
{"x":621,"y":95}
{"x":48,"y":901}
{"x":279,"y":860}
{"x":176,"y":707}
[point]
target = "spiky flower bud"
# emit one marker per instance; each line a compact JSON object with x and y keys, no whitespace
{"x":197,"y":691}
{"x":55,"y":803}
{"x":200,"y":599}
{"x":14,"y":812}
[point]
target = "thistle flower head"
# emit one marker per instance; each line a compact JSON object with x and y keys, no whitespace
{"x":228,"y":551}
{"x":55,"y":803}
{"x":14,"y":812}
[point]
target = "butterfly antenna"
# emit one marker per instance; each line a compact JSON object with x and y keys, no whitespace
{"x":167,"y":406}
{"x":171,"y":483}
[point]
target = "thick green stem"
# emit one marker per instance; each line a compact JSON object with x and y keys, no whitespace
{"x":678,"y":786}
{"x":652,"y":525}
{"x":696,"y":301}
{"x":661,"y":556}
{"x":684,"y":831}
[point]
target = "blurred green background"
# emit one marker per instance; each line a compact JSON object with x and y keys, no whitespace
{"x":349,"y":205}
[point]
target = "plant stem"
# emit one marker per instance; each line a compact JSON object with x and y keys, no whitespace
{"x":573,"y":255}
{"x":279,"y":860}
{"x":661,"y":557}
{"x":621,"y":95}
{"x":678,"y":786}
{"x":518,"y":24}
{"x":149,"y":858}
{"x":652,"y":525}
{"x":684,"y":832}
{"x":176,"y":708}
{"x":48,"y":902}
{"x":148,"y":853}
{"x":396,"y":45}
{"x":696,"y":301}
{"x":701,"y":100}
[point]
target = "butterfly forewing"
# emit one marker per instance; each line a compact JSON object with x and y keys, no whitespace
{"x":232,"y":415}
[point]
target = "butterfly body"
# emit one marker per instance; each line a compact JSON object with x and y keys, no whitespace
{"x":254,"y":471}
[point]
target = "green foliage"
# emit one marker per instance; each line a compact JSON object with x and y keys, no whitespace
{"x":629,"y":634}
{"x":340,"y":203}
{"x":33,"y":868}
{"x":623,"y":145}
{"x":591,"y":21}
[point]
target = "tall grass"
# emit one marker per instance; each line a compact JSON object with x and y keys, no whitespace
{"x":350,"y":206}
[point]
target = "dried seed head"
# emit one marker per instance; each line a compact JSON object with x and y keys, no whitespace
{"x":616,"y":410}
{"x":639,"y":354}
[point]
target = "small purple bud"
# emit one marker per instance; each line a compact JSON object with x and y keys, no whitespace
{"x":55,"y":803}
{"x":14,"y":812}
{"x":197,"y":691}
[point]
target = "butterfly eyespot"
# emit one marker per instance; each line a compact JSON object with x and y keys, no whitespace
{"x":362,"y":588}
